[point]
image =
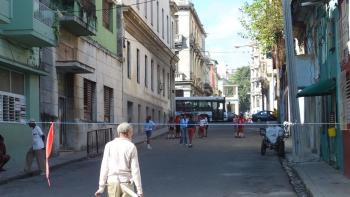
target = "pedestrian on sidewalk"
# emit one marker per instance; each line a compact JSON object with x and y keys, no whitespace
{"x":191,"y":125}
{"x":4,"y":158}
{"x":183,"y":127}
{"x":171,"y":126}
{"x":37,"y":149}
{"x":148,"y":128}
{"x":177,"y":127}
{"x":120,"y":165}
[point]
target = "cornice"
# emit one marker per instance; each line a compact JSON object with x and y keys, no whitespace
{"x":139,"y":29}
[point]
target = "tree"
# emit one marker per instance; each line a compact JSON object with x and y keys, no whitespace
{"x":263,"y":20}
{"x":242,"y":79}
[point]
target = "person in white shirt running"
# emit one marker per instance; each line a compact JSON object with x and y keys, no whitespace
{"x":37,"y":149}
{"x":120,"y":165}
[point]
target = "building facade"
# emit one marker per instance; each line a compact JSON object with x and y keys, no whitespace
{"x":263,"y":79}
{"x":193,"y":65}
{"x":24,"y":27}
{"x":83,"y":89}
{"x":149,"y":61}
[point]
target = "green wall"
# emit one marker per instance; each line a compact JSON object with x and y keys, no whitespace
{"x":105,"y":37}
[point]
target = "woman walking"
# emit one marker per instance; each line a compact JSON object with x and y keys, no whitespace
{"x":241,"y":126}
{"x":191,"y":125}
{"x":148,"y":128}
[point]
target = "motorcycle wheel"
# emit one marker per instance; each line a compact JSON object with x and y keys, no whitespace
{"x":281,"y":151}
{"x":263,"y":148}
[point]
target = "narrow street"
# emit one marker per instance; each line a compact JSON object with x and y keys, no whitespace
{"x":217,"y":166}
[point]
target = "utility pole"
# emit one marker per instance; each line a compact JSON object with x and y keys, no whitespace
{"x":291,"y":74}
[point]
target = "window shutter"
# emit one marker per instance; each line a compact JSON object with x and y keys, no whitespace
{"x":108,"y":97}
{"x":89,"y":99}
{"x":106,"y":14}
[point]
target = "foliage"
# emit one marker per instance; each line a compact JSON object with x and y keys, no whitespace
{"x":242,"y":79}
{"x":263,"y":20}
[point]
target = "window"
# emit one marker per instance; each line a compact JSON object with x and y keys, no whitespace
{"x":159,"y":118}
{"x":158,"y":16}
{"x":158,"y":80}
{"x":152,"y":13}
{"x":147,"y":112}
{"x":146,"y":73}
{"x":89,"y":99}
{"x":138,"y":4}
{"x":107,"y":12}
{"x":138,"y":65}
{"x":163,"y":84}
{"x":146,"y":6}
{"x":152,"y":75}
{"x":12,"y":99}
{"x":167,"y":29}
{"x":108,"y":100}
{"x":163,"y":23}
{"x":153,"y":114}
{"x":128,"y":59}
{"x":12,"y":82}
{"x":172,"y":35}
{"x":168,"y":82}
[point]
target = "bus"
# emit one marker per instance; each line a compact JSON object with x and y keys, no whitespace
{"x":212,"y":107}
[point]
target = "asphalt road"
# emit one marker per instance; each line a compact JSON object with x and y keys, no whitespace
{"x":217,"y":166}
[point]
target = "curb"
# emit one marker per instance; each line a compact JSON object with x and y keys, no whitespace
{"x":57,"y":166}
{"x":295,"y":180}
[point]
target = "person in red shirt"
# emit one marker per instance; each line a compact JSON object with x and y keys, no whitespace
{"x":4,"y":158}
{"x":241,"y":126}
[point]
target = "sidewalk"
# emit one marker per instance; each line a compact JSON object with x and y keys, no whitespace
{"x":321,"y":180}
{"x":65,"y":158}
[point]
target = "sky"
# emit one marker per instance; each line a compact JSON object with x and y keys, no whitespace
{"x":220,"y":19}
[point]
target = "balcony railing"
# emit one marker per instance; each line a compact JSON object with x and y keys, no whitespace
{"x":69,"y":60}
{"x":5,"y":11}
{"x":43,"y":13}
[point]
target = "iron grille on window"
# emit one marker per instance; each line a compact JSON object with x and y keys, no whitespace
{"x":12,"y":107}
{"x":89,"y":99}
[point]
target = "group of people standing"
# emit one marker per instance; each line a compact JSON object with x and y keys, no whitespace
{"x":186,"y":126}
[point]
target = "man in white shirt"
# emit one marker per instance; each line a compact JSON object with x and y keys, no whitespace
{"x":120,"y":165}
{"x":37,"y":149}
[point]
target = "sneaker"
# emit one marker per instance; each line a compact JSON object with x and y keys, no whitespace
{"x":190,"y":146}
{"x":149,"y":146}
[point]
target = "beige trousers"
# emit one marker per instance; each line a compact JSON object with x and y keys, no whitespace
{"x":39,"y":156}
{"x":114,"y":189}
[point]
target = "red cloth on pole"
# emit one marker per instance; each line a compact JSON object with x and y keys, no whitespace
{"x":49,"y":143}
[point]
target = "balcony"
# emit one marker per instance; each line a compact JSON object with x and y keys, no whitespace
{"x":5,"y":11}
{"x":32,"y":24}
{"x":79,"y":16}
{"x":68,"y":60}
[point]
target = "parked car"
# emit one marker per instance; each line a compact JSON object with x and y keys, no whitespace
{"x":263,"y":116}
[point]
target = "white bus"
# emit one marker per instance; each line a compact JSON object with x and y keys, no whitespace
{"x":212,"y":107}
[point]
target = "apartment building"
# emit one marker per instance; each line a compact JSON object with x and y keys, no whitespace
{"x":149,"y":60}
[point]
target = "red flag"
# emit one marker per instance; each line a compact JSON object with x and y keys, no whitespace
{"x":49,"y":143}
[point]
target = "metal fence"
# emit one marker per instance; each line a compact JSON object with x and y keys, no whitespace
{"x":96,"y":141}
{"x":43,"y":13}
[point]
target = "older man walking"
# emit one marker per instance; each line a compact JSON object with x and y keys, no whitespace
{"x":37,"y":149}
{"x":120,"y":166}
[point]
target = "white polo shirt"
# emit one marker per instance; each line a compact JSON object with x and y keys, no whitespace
{"x":37,"y":140}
